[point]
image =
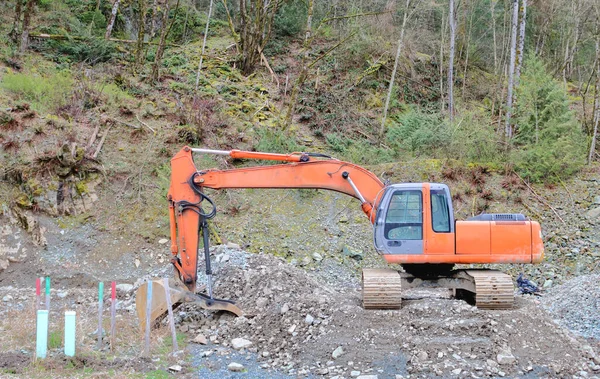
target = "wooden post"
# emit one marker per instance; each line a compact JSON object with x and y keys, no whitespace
{"x":170,"y":310}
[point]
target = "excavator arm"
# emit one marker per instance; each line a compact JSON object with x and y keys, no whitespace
{"x":302,"y":171}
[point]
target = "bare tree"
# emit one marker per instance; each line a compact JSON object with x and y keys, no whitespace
{"x":210,"y":7}
{"x":29,"y":9}
{"x":139,"y":49}
{"x":113,"y":17}
{"x":520,"y":49}
{"x":511,"y":68}
{"x":492,"y":8}
{"x":393,"y":78}
{"x":452,"y":23}
{"x":256,"y":21}
{"x":14,"y":33}
{"x":164,"y":32}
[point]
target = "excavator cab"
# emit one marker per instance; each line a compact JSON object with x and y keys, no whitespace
{"x":407,"y":213}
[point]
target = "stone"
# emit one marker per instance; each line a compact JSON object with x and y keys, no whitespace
{"x":422,"y":356}
{"x":240,"y":343}
{"x":284,"y":308}
{"x":124,"y":287}
{"x":456,"y":371}
{"x":175,"y":368}
{"x":62,"y":294}
{"x":323,"y":371}
{"x":597,"y":200}
{"x":309,"y":319}
{"x":235,"y":367}
{"x":548,"y":283}
{"x":593,"y":213}
{"x":354,"y":373}
{"x":162,"y":241}
{"x":306,"y":261}
{"x":232,"y":245}
{"x":201,"y":339}
{"x":4,"y":264}
{"x":317,"y":257}
{"x":353,"y":253}
{"x":7,"y":298}
{"x":338,"y":352}
{"x":367,"y":377}
{"x":505,"y":357}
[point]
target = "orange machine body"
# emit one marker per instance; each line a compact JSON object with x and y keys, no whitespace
{"x":496,"y":241}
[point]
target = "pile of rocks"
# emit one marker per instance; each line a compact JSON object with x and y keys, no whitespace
{"x":576,"y":305}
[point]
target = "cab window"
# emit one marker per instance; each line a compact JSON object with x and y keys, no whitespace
{"x":404,"y":217}
{"x":440,"y":212}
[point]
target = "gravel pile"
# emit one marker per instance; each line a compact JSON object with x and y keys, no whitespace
{"x":576,"y":305}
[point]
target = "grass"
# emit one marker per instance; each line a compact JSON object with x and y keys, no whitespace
{"x":45,"y":93}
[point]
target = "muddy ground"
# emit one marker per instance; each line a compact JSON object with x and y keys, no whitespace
{"x":297,"y":324}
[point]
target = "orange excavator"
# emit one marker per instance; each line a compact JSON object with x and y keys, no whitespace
{"x":413,"y":225}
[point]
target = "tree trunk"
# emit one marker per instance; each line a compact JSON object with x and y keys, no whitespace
{"x":256,"y":21}
{"x":14,"y":33}
{"x":596,"y":103}
{"x":511,"y":69}
{"x":492,"y":7}
{"x":443,"y":31}
{"x":164,"y":32}
{"x":155,"y":17}
{"x":29,"y":8}
{"x":139,"y":50}
{"x":210,"y":7}
{"x":452,"y":23}
{"x":520,"y":51}
{"x":467,"y":46}
{"x":393,"y":78}
{"x":304,"y":72}
{"x":113,"y":17}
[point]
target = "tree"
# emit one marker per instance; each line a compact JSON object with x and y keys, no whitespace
{"x":164,"y":32}
{"x":596,"y":112}
{"x":256,"y":22}
{"x":549,"y":142}
{"x":29,"y":10}
{"x":392,"y":79}
{"x":210,"y":7}
{"x":511,"y":68}
{"x":139,"y":49}
{"x":14,"y":33}
{"x":520,"y":52}
{"x":452,"y":23}
{"x":113,"y":17}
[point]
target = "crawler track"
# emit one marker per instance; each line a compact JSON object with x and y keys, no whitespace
{"x":382,"y":288}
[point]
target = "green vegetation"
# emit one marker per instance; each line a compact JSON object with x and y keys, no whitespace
{"x":549,"y":142}
{"x":46,"y":93}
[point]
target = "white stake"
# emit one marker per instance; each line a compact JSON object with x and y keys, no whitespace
{"x":148,"y":311}
{"x":42,"y":333}
{"x":70,"y":333}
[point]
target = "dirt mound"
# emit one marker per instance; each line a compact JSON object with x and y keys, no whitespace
{"x":576,"y":305}
{"x":295,"y":322}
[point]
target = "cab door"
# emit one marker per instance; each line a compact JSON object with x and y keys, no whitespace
{"x":399,"y":224}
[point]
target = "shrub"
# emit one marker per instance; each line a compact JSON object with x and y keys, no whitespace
{"x":276,"y":141}
{"x":548,"y":141}
{"x":291,"y":18}
{"x":418,"y":132}
{"x":473,"y":138}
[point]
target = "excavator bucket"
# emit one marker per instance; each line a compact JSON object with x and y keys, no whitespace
{"x":159,"y":305}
